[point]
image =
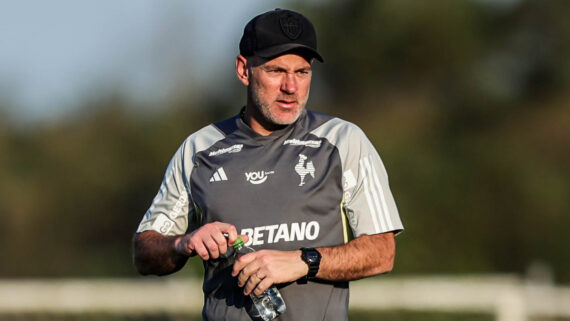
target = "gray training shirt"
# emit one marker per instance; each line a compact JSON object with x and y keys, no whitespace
{"x":318,"y":182}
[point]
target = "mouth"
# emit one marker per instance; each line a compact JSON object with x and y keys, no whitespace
{"x":287,"y":103}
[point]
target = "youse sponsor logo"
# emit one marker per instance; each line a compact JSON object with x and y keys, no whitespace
{"x":258,"y":177}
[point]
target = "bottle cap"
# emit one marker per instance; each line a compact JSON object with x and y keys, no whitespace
{"x":239,"y":242}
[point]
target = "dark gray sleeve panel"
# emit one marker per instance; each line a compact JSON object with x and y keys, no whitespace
{"x":170,"y":211}
{"x":368,"y":201}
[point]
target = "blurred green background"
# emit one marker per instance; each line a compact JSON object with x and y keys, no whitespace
{"x":359,"y":315}
{"x":466,"y":101}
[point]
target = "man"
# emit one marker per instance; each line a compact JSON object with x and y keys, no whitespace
{"x":308,"y":191}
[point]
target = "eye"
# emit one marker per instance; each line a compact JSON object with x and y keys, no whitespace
{"x":273,"y":71}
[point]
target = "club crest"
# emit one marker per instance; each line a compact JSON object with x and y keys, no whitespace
{"x":291,"y":26}
{"x":303,"y":168}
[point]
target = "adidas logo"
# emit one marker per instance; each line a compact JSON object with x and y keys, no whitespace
{"x":219,"y":175}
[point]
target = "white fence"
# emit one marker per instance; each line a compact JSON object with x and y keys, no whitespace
{"x":509,"y":298}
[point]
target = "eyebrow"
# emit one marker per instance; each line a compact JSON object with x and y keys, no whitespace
{"x":277,"y":67}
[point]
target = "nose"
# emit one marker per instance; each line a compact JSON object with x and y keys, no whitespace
{"x":289,"y":83}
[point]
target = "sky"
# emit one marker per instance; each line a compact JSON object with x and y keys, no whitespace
{"x":55,"y":53}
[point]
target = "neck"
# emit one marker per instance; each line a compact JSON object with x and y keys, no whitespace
{"x":253,"y":118}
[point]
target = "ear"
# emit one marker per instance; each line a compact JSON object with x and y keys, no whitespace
{"x":242,"y":71}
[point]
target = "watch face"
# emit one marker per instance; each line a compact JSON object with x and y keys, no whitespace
{"x":312,"y":256}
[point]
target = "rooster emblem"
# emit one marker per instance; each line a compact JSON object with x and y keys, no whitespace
{"x":303,"y":169}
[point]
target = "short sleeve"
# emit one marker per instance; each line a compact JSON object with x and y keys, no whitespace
{"x":368,"y":201}
{"x":170,"y":211}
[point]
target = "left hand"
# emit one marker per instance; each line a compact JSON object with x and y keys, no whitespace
{"x":257,"y":271}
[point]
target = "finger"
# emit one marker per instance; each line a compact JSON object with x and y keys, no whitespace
{"x":212,"y":247}
{"x":249,"y":271}
{"x":242,"y":262}
{"x":201,"y":250}
{"x":232,"y":233}
{"x":251,"y":284}
{"x":244,"y":237}
{"x":221,"y":244}
{"x":226,"y":228}
{"x":263,"y":285}
{"x":244,"y":276}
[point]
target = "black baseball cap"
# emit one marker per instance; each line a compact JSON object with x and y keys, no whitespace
{"x":277,"y":32}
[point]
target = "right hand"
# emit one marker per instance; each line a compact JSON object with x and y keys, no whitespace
{"x":208,"y":241}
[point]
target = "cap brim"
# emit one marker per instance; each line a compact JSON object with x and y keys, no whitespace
{"x":288,"y":47}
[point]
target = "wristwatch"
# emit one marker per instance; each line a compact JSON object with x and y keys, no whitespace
{"x":313,"y":259}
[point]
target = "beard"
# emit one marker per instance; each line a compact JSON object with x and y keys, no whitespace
{"x":271,"y":115}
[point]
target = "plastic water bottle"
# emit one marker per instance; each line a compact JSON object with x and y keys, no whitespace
{"x":269,"y":304}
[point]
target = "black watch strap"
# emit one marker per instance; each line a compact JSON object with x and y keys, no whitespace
{"x":313,"y":259}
